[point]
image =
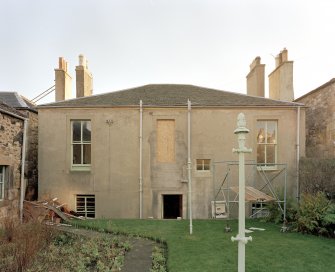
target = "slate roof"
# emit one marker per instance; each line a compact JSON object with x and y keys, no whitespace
{"x":17,"y":101}
{"x":8,"y":109}
{"x":165,"y":95}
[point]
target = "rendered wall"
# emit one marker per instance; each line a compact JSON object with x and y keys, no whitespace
{"x":114,"y":176}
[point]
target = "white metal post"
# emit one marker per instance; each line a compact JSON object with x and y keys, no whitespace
{"x":242,"y":240}
{"x":141,"y":159}
{"x":189,"y":163}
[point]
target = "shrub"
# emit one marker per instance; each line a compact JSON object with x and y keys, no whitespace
{"x":316,"y":215}
{"x":276,"y":215}
{"x":317,"y":175}
{"x":20,"y":244}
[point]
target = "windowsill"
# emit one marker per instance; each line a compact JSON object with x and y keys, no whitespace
{"x":203,"y":173}
{"x":267,"y":168}
{"x":77,"y":168}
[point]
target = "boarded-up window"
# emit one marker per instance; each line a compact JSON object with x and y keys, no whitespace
{"x":165,"y":140}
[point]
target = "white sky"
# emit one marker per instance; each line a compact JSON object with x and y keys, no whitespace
{"x":130,"y":43}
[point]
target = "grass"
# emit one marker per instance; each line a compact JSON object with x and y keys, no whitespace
{"x":210,"y":248}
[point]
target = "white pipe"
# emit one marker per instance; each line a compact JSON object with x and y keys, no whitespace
{"x":189,"y":164}
{"x":141,"y":159}
{"x":298,"y":151}
{"x":25,"y":125}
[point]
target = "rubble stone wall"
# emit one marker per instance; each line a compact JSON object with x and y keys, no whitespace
{"x":31,"y":173}
{"x":320,"y":122}
{"x":11,"y":140}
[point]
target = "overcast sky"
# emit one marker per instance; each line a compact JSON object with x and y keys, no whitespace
{"x":130,"y":43}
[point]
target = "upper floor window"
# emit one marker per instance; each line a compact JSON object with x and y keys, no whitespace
{"x":166,"y":141}
{"x":203,"y":164}
{"x":267,"y":143}
{"x":81,"y":144}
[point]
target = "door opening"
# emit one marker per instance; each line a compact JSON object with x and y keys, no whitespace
{"x":172,"y":206}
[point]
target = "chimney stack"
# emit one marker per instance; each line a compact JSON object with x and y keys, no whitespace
{"x":281,"y":78}
{"x":255,"y":78}
{"x":62,"y":81}
{"x":84,"y":80}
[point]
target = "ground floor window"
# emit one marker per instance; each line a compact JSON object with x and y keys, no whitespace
{"x":2,"y":182}
{"x":85,"y":205}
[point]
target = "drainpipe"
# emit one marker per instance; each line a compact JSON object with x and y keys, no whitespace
{"x":25,"y":125}
{"x":189,"y":164}
{"x":141,"y":159}
{"x":298,"y":153}
{"x":23,"y":190}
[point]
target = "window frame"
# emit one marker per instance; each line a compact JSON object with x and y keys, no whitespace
{"x":203,"y":165}
{"x":265,"y":165}
{"x":2,"y":182}
{"x":85,"y":212}
{"x":81,"y":166}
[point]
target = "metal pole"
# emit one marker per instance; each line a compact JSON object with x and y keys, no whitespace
{"x":189,"y":164}
{"x":242,"y":240}
{"x":141,"y":159}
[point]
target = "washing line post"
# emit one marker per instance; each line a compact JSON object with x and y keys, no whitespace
{"x":241,"y":132}
{"x":189,"y":163}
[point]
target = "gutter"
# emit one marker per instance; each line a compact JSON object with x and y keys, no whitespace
{"x":23,"y":159}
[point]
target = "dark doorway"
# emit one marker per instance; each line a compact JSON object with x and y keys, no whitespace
{"x":172,"y":206}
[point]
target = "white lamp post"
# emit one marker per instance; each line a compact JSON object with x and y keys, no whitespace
{"x":241,"y":131}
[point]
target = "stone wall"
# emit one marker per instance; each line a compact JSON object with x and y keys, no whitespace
{"x":31,"y":173}
{"x":11,"y":136}
{"x":320,"y":121}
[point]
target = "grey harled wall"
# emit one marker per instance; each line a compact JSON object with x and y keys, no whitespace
{"x":114,"y":177}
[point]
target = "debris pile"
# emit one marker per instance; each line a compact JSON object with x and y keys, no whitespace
{"x":48,"y":211}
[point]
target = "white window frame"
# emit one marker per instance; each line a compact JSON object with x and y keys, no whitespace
{"x":82,"y":166}
{"x":2,"y":182}
{"x":84,"y":211}
{"x":266,"y":165}
{"x":203,"y":165}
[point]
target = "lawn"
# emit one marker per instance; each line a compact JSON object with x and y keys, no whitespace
{"x":210,"y":247}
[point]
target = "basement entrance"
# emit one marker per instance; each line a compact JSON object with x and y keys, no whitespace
{"x":172,"y":206}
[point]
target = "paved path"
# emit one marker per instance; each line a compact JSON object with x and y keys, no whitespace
{"x":138,"y":259}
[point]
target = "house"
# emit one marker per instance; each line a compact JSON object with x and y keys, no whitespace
{"x":27,"y":109}
{"x":320,"y":121}
{"x":133,"y":153}
{"x":12,"y":131}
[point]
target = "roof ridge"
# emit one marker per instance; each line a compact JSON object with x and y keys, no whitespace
{"x":170,"y":95}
